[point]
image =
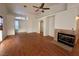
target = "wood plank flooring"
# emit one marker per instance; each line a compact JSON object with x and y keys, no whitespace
{"x":31,"y":44}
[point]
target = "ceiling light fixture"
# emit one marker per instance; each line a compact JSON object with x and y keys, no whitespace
{"x":25,"y":6}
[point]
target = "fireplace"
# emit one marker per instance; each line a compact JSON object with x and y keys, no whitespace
{"x":67,"y":39}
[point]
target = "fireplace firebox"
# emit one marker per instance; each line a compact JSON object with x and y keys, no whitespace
{"x":67,"y":39}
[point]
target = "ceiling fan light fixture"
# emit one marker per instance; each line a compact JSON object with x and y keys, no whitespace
{"x":25,"y":6}
{"x":43,"y":11}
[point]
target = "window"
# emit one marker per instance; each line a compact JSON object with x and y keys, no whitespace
{"x":21,"y":18}
{"x":16,"y":25}
{"x":1,"y":22}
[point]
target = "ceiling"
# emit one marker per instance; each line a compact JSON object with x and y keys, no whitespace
{"x":18,"y":8}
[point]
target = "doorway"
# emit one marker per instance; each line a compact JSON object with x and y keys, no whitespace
{"x":16,"y":26}
{"x":41,"y":27}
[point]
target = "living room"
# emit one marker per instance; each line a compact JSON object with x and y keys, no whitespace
{"x":58,"y":19}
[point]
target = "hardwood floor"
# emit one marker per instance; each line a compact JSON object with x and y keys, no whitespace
{"x":31,"y":44}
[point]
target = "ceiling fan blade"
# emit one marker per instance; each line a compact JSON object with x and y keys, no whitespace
{"x":35,"y":7}
{"x":45,"y":8}
{"x":42,"y":5}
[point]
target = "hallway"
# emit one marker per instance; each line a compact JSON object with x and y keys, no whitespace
{"x":30,"y":44}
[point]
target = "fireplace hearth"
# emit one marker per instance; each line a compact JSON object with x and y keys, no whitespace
{"x":67,"y":39}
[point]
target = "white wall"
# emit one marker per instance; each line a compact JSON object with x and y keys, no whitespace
{"x":22,"y":26}
{"x":51,"y":25}
{"x":3,"y":12}
{"x":46,"y":27}
{"x":29,"y":23}
{"x":34,"y":23}
{"x":4,"y":33}
{"x":10,"y":25}
{"x":3,"y":9}
{"x":72,"y":6}
{"x":66,"y":19}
